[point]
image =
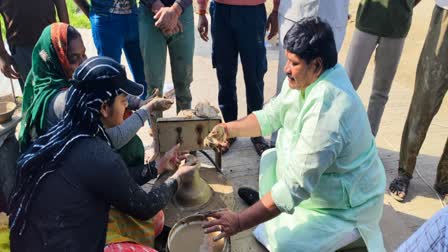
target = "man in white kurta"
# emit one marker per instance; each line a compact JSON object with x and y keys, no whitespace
{"x":324,"y":180}
{"x":325,"y":174}
{"x":335,"y":12}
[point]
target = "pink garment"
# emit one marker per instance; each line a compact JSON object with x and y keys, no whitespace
{"x":127,"y":247}
{"x":203,"y":3}
{"x":131,"y":246}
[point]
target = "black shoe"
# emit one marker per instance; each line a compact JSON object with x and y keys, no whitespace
{"x":248,"y":195}
{"x":260,"y":144}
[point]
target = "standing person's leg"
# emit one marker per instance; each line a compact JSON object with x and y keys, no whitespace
{"x":153,"y":49}
{"x":361,"y":49}
{"x":181,"y":49}
{"x":336,"y":14}
{"x":225,"y":58}
{"x":108,"y":31}
{"x":284,"y":25}
{"x":9,"y":153}
{"x":431,"y":85}
{"x":441,"y":59}
{"x":441,"y":184}
{"x":387,"y":57}
{"x":22,"y":58}
{"x":251,"y":23}
{"x":133,"y":53}
{"x":250,"y":32}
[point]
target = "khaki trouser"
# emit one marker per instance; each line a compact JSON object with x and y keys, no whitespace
{"x":431,"y":85}
{"x":387,"y":56}
{"x":154,"y":46}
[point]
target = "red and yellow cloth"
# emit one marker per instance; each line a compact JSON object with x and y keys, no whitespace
{"x":124,"y":228}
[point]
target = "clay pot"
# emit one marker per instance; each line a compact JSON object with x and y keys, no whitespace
{"x":194,"y":192}
{"x":6,"y":111}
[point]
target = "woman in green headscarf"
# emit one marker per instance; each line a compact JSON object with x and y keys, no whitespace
{"x":56,"y":55}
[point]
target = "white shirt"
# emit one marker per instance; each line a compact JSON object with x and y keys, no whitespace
{"x":335,"y":12}
{"x":442,"y":4}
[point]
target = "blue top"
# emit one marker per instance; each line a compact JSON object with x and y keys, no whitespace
{"x":114,"y":6}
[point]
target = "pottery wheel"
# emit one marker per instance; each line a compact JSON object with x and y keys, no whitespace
{"x":222,"y":197}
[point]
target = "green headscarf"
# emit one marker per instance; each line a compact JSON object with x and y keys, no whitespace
{"x":46,"y":78}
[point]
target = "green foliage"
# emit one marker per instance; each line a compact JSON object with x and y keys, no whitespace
{"x":77,"y":17}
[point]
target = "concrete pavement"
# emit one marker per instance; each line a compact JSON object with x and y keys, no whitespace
{"x":240,"y":164}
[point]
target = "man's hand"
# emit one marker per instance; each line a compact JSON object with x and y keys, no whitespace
{"x":272,"y":24}
{"x":218,"y":138}
{"x":224,"y":221}
{"x":167,"y":17}
{"x":179,"y":28}
{"x":203,"y":27}
{"x":156,"y":6}
{"x":6,"y":66}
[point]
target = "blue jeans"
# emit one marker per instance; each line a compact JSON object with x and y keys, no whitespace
{"x":113,"y":33}
{"x":239,"y":30}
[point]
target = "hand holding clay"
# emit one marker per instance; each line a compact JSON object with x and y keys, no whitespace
{"x":218,"y":137}
{"x":224,"y":221}
{"x":171,"y":160}
{"x":186,"y":167}
{"x":159,"y":104}
{"x":154,"y":94}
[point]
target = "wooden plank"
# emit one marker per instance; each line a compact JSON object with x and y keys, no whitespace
{"x":190,"y":133}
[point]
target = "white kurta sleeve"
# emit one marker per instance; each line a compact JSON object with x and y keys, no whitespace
{"x":270,"y":118}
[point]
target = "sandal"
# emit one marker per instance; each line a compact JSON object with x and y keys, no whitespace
{"x":399,"y":188}
{"x":260,"y":144}
{"x":248,"y":195}
{"x":443,"y":193}
{"x":227,"y":148}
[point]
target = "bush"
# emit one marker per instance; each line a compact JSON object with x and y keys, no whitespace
{"x":77,"y":17}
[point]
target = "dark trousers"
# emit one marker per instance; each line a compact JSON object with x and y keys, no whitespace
{"x":9,"y":153}
{"x":238,"y":30}
{"x":22,"y":58}
{"x":431,"y":85}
